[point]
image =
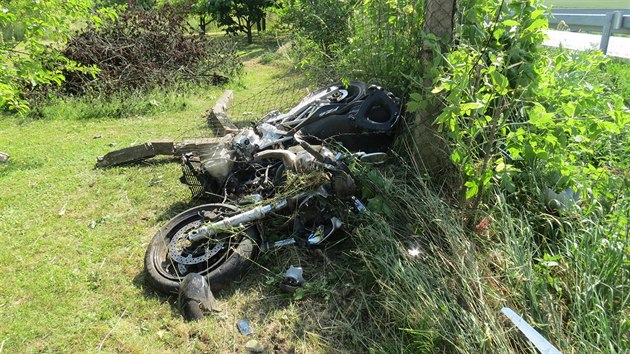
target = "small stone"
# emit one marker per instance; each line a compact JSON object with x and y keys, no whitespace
{"x":4,"y":157}
{"x":254,"y":346}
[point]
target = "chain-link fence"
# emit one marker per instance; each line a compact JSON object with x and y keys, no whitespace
{"x":379,"y":42}
{"x":279,"y":95}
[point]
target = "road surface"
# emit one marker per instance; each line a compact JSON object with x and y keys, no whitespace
{"x":617,"y":46}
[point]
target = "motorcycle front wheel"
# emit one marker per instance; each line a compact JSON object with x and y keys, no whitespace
{"x":220,"y":260}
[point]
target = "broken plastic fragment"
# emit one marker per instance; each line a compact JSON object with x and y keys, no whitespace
{"x":244,"y":326}
{"x":195,"y":297}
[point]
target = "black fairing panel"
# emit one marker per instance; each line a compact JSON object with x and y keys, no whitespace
{"x":370,"y":126}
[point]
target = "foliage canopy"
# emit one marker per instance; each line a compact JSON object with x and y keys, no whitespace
{"x":28,"y":61}
{"x":237,"y":15}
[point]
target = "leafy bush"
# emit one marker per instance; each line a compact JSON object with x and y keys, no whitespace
{"x":319,"y":29}
{"x":26,"y":55}
{"x":523,"y":118}
{"x":324,"y":23}
{"x":140,"y":50}
{"x":377,"y":41}
{"x":540,"y":138}
{"x":384,"y":45}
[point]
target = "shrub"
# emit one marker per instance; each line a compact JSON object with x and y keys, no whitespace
{"x":143,"y":49}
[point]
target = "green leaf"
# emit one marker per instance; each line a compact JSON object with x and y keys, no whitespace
{"x":536,"y":14}
{"x":500,"y":82}
{"x":551,"y":139}
{"x":412,"y":106}
{"x":510,"y":23}
{"x":609,"y":127}
{"x":539,"y":117}
{"x":415,"y":96}
{"x":537,"y":24}
{"x":472,"y":189}
{"x":569,"y":109}
{"x":456,"y":156}
{"x":467,"y":107}
{"x":498,"y":33}
{"x":438,"y":89}
{"x":500,"y":166}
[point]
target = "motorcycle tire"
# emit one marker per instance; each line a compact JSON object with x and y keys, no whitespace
{"x":228,"y":264}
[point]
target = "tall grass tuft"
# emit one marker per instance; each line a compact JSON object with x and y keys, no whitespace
{"x":435,"y":286}
{"x":174,"y":98}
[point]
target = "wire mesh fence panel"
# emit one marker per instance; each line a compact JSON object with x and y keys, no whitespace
{"x":280,"y":95}
{"x":381,"y":42}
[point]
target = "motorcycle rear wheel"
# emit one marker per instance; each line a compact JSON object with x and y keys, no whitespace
{"x":228,"y":264}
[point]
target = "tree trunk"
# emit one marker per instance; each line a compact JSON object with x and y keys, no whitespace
{"x":249,"y":25}
{"x":258,"y":26}
{"x":202,"y":24}
{"x":432,"y":150}
{"x":264,"y":22}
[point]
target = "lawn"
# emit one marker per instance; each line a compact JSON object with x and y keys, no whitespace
{"x":74,"y":236}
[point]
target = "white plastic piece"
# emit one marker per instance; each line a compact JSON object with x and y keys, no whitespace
{"x":536,"y":338}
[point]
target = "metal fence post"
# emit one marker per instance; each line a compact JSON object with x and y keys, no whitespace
{"x":613,"y":21}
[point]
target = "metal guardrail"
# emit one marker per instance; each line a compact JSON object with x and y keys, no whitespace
{"x":605,"y":21}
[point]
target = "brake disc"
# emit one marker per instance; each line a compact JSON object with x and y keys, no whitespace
{"x":181,"y":250}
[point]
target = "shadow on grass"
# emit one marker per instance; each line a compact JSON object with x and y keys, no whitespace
{"x":140,"y":282}
{"x":144,"y":163}
{"x":283,"y":321}
{"x":14,"y":165}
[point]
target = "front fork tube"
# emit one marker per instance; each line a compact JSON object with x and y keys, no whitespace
{"x":257,"y":213}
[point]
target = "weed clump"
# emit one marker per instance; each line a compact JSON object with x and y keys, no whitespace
{"x":141,"y":50}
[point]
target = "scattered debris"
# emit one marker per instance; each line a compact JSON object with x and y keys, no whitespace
{"x":293,"y":279}
{"x":4,"y":157}
{"x":254,"y":346}
{"x":97,"y":136}
{"x":562,"y":200}
{"x":155,"y":148}
{"x":536,"y":338}
{"x":217,"y":117}
{"x":195,"y":297}
{"x":244,"y":326}
{"x":154,"y":183}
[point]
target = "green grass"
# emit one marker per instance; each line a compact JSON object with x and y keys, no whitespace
{"x":74,"y":237}
{"x":585,"y":4}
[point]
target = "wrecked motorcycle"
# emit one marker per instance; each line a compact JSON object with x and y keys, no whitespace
{"x":290,"y":172}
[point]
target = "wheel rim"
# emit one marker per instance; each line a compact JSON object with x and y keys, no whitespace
{"x":221,"y":251}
